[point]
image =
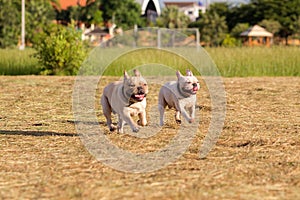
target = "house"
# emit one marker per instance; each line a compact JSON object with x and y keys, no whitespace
{"x":153,"y":8}
{"x":257,"y":36}
{"x":191,"y":8}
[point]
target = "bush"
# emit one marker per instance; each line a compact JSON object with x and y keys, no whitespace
{"x":60,"y":50}
{"x":229,"y":41}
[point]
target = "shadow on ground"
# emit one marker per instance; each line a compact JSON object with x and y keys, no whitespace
{"x":36,"y":133}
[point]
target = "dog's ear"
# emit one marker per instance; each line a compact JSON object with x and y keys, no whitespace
{"x":189,"y":72}
{"x":178,"y":74}
{"x":136,"y":72}
{"x":125,"y":75}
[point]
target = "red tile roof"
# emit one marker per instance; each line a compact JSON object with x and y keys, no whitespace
{"x":66,"y":3}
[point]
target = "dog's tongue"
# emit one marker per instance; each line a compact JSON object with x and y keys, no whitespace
{"x":195,"y":89}
{"x":139,"y":96}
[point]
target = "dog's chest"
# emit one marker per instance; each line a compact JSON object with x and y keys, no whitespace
{"x":187,"y":102}
{"x":137,"y":108}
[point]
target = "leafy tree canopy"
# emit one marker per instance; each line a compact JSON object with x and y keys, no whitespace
{"x":10,"y":22}
{"x":213,"y":28}
{"x":238,"y":29}
{"x":271,"y":25}
{"x":285,"y":12}
{"x":125,"y":13}
{"x":279,"y":17}
{"x":38,"y":14}
{"x":171,"y":17}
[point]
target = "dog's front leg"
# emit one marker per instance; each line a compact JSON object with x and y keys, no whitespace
{"x":185,"y":114}
{"x":127,"y":118}
{"x":192,"y":113}
{"x":121,"y":123}
{"x":142,"y":119}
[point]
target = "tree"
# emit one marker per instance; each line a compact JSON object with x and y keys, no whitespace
{"x":55,"y":3}
{"x":171,"y":17}
{"x":88,"y":14}
{"x":235,"y":33}
{"x":38,"y":14}
{"x":222,"y":9}
{"x":238,"y":29}
{"x":10,"y":22}
{"x":297,"y":32}
{"x":287,"y":17}
{"x":212,"y":27}
{"x":271,"y":26}
{"x":91,"y":13}
{"x":246,"y":13}
{"x":125,"y":13}
{"x":284,"y":12}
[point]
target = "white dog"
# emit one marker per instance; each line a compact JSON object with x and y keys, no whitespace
{"x":181,"y":95}
{"x":126,"y":98}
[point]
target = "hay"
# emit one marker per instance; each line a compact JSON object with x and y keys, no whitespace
{"x":256,"y":157}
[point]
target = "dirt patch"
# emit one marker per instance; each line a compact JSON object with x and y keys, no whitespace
{"x":256,"y":157}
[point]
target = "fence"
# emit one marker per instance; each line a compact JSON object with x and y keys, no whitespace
{"x":157,"y":37}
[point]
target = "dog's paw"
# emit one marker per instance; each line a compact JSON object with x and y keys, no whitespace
{"x":178,"y":121}
{"x":135,"y":129}
{"x":140,"y":123}
{"x":120,"y":129}
{"x":112,"y":128}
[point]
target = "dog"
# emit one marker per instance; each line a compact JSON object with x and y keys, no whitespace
{"x":126,"y":98}
{"x":181,"y":95}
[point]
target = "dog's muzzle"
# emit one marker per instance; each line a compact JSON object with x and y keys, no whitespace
{"x":195,"y":87}
{"x":140,"y":95}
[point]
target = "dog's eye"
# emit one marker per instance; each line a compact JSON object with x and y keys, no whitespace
{"x":145,"y":84}
{"x":131,"y":85}
{"x":189,"y":82}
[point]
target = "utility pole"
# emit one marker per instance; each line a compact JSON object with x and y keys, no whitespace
{"x":22,"y":46}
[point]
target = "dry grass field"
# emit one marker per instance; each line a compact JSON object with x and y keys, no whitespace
{"x":256,"y":157}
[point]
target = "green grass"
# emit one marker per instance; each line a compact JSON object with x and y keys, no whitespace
{"x":151,"y":62}
{"x":231,"y":62}
{"x":257,"y":61}
{"x":16,"y":62}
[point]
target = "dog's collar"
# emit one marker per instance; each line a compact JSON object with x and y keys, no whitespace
{"x":180,"y":91}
